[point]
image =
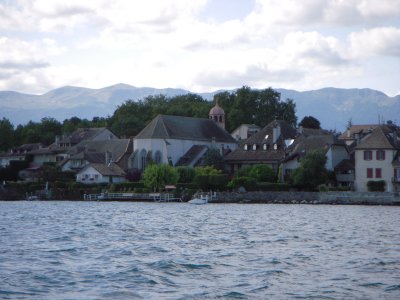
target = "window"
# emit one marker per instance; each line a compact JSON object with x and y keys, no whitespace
{"x":275,"y":146}
{"x":378,"y":173}
{"x":264,"y":146}
{"x":380,"y":155}
{"x":369,"y":172}
{"x":245,"y":147}
{"x":143,"y":159}
{"x":367,"y":155}
{"x":157,"y":157}
{"x":254,"y":147}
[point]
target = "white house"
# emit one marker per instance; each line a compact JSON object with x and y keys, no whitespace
{"x":58,"y":151}
{"x":98,"y":151}
{"x":377,"y":158}
{"x":101,"y":173}
{"x":180,"y":140}
{"x":18,"y":153}
{"x":335,"y":151}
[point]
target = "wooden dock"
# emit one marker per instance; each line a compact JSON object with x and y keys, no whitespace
{"x":156,"y":197}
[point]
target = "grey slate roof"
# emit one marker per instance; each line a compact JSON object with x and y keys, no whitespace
{"x":258,"y":139}
{"x":190,"y":155}
{"x":382,"y":137}
{"x":113,"y":170}
{"x":81,"y":134}
{"x":304,"y":144}
{"x":185,"y":128}
{"x":118,"y":147}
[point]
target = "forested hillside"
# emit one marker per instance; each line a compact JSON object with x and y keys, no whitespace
{"x":244,"y":105}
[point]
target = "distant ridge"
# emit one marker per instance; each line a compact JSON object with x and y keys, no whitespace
{"x":334,"y":107}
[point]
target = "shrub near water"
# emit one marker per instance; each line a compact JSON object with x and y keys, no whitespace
{"x":376,"y":186}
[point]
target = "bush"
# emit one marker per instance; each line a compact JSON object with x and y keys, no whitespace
{"x":202,"y":181}
{"x":263,"y":173}
{"x":218,"y":182}
{"x":376,"y":186}
{"x":186,"y":174}
{"x":250,"y":184}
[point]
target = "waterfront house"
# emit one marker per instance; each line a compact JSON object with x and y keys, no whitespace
{"x":377,"y":158}
{"x":338,"y":158}
{"x":58,"y":151}
{"x":115,"y":150}
{"x":101,"y":173}
{"x":23,"y":152}
{"x":355,"y":133}
{"x":179,"y":141}
{"x":267,"y":146}
{"x":184,"y":141}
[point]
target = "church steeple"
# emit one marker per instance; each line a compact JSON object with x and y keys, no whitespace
{"x":217,"y":114}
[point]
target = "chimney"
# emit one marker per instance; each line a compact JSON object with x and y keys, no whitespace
{"x":213,"y":142}
{"x":108,"y":158}
{"x":276,"y":132}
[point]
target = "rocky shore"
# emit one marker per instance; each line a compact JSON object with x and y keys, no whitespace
{"x":348,"y":198}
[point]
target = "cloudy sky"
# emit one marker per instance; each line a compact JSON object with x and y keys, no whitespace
{"x":200,"y":45}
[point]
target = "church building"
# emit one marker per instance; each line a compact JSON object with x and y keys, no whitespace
{"x":181,"y":141}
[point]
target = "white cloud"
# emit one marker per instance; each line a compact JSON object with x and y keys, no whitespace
{"x":339,"y":12}
{"x":376,"y":41}
{"x":161,"y":43}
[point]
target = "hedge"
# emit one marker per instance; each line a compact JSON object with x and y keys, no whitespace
{"x":268,"y":186}
{"x":376,"y":186}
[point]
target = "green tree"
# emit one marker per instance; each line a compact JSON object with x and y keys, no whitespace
{"x":186,"y":174}
{"x":310,"y":122}
{"x":130,"y":118}
{"x":311,"y":172}
{"x":214,"y":158}
{"x":48,"y":129}
{"x":207,"y":170}
{"x":156,"y":177}
{"x":262,"y":173}
{"x":6,"y":135}
{"x":261,"y":107}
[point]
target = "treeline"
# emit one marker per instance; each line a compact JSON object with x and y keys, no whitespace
{"x":243,"y":106}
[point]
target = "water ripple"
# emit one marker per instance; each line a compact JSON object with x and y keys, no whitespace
{"x":94,"y":250}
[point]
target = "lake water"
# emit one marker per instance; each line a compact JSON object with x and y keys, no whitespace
{"x":122,"y":250}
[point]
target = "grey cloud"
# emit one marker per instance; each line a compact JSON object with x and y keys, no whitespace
{"x":251,"y":76}
{"x":23,"y":65}
{"x":325,"y":56}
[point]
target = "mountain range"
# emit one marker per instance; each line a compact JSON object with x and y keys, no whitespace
{"x":333,"y":107}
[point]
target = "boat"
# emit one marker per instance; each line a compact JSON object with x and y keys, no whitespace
{"x":199,"y":199}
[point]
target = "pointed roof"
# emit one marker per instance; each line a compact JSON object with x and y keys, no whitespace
{"x":103,"y":169}
{"x":216,"y":110}
{"x":378,"y":139}
{"x":264,"y":136}
{"x":184,"y":128}
{"x":190,"y":155}
{"x":82,"y":134}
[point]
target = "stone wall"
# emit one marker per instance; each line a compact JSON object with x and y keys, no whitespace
{"x":309,"y":198}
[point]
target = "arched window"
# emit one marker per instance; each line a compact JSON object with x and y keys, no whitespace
{"x":157,"y":157}
{"x":143,"y":159}
{"x":254,"y":146}
{"x":245,"y":147}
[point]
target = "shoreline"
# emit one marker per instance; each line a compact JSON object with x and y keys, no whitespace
{"x":314,"y":198}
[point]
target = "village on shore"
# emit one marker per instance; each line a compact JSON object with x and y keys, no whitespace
{"x":363,"y":158}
